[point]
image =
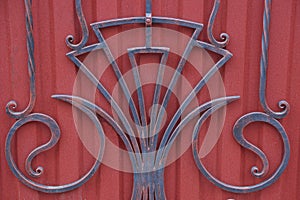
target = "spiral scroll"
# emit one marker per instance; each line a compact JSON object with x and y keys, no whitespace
{"x":25,"y":117}
{"x":269,"y":117}
{"x":148,"y":167}
{"x":85,"y":31}
{"x":55,"y":132}
{"x":223,"y":36}
{"x":238,"y":135}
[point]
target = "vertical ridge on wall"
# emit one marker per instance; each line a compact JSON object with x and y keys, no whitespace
{"x":277,"y":75}
{"x":6,"y":92}
{"x":188,"y":11}
{"x":292,"y":88}
{"x":45,"y":73}
{"x":89,"y":190}
{"x":229,"y":156}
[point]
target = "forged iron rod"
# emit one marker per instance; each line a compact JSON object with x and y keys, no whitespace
{"x":148,"y":170}
{"x":12,"y":105}
{"x":264,"y":64}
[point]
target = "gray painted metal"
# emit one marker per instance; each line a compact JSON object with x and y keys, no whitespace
{"x":147,"y":155}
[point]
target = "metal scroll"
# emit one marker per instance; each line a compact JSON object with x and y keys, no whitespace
{"x":26,"y":116}
{"x":269,"y":117}
{"x":12,"y":105}
{"x":147,"y":154}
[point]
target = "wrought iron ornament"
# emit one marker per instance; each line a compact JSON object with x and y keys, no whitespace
{"x":148,"y":155}
{"x":12,"y":105}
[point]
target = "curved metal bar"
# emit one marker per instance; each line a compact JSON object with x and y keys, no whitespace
{"x":238,"y":134}
{"x":119,"y":77}
{"x":54,"y":128}
{"x":141,"y":20}
{"x":84,"y":28}
{"x":216,"y":102}
{"x":109,"y":98}
{"x":116,"y":22}
{"x":239,"y":137}
{"x":226,"y":56}
{"x":223,"y":36}
{"x":106,"y":117}
{"x":283,"y":105}
{"x":172,"y":84}
{"x":55,"y":135}
{"x":12,"y":105}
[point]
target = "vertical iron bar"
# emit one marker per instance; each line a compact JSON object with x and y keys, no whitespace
{"x":264,"y":65}
{"x":12,"y":105}
{"x":148,"y":22}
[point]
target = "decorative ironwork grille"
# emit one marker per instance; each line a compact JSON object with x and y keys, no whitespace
{"x":148,"y":153}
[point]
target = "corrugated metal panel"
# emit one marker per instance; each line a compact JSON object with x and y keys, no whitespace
{"x":242,"y":20}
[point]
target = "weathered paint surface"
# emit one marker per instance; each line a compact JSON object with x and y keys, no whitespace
{"x":55,"y":74}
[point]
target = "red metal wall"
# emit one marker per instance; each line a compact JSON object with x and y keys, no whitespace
{"x":242,"y":20}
